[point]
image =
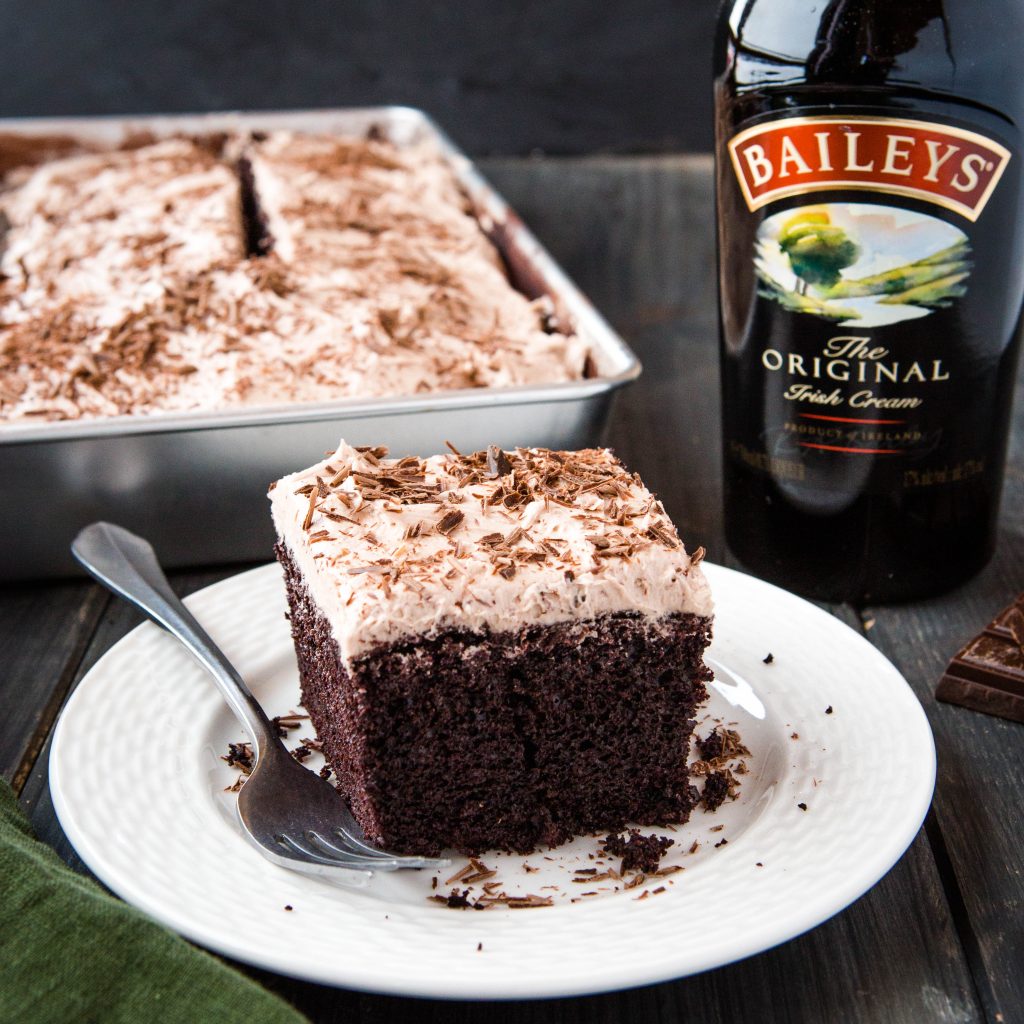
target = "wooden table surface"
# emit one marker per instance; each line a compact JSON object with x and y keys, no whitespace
{"x":941,"y":937}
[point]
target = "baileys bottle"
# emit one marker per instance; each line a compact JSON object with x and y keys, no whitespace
{"x":871,"y":277}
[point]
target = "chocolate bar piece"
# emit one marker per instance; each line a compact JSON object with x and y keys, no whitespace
{"x":987,"y":674}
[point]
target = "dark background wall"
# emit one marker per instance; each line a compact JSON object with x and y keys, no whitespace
{"x":562,"y":76}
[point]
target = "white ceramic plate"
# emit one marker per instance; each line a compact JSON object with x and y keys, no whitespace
{"x":140,"y":791}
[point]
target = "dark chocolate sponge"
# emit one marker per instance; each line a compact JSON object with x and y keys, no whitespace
{"x":473,"y":741}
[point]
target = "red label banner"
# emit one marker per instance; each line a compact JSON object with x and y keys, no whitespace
{"x":953,"y":168}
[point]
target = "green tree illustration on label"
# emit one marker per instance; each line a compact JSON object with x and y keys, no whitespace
{"x":861,"y":263}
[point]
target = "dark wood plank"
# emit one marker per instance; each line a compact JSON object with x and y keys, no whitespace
{"x":979,"y":808}
{"x":44,"y":630}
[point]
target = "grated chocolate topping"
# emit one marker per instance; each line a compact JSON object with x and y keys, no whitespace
{"x":496,"y":540}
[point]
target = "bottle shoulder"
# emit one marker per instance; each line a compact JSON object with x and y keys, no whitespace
{"x":965,"y":52}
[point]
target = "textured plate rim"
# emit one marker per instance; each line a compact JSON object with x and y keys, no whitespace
{"x":914,"y":801}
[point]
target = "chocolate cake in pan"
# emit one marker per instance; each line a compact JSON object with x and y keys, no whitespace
{"x":251,"y":270}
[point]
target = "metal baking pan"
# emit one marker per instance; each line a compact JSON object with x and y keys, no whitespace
{"x":196,"y":483}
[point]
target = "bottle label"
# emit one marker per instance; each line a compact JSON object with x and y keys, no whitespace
{"x":956,"y":169}
{"x":848,"y":341}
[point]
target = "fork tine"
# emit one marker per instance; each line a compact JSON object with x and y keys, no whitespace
{"x":381,"y":857}
{"x":352,"y":861}
{"x":422,"y":862}
{"x":353,"y":840}
{"x":350,"y":851}
{"x":327,"y":849}
{"x":405,"y":861}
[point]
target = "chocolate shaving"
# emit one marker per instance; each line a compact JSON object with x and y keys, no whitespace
{"x":498,"y":463}
{"x":283,"y":723}
{"x":449,"y":521}
{"x":373,"y":452}
{"x":313,"y":495}
{"x":662,"y":534}
{"x":526,"y":902}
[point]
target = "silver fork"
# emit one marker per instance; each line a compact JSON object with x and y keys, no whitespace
{"x":294,"y":817}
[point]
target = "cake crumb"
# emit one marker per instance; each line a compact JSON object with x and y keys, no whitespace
{"x":828,"y":710}
{"x":638,"y":852}
{"x":455,"y":900}
{"x":239,"y":756}
{"x":768,"y":658}
{"x":721,"y":842}
{"x":721,"y":754}
{"x":479,"y":947}
{"x":288,"y":906}
{"x":802,"y":806}
{"x":722,"y":743}
{"x":716,"y":789}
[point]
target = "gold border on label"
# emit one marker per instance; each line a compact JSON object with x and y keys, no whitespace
{"x":971,"y":213}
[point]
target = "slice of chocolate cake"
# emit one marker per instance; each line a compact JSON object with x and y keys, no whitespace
{"x":497,"y":650}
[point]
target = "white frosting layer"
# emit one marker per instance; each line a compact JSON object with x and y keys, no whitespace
{"x":386,"y":242}
{"x":128,"y":291}
{"x":393,"y":549}
{"x":109,"y":229}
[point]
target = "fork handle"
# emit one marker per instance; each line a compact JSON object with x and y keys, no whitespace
{"x":127,"y":565}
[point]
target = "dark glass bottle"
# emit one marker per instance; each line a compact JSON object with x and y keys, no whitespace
{"x":871,"y":274}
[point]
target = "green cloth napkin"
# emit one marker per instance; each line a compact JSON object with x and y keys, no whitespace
{"x":71,"y":952}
